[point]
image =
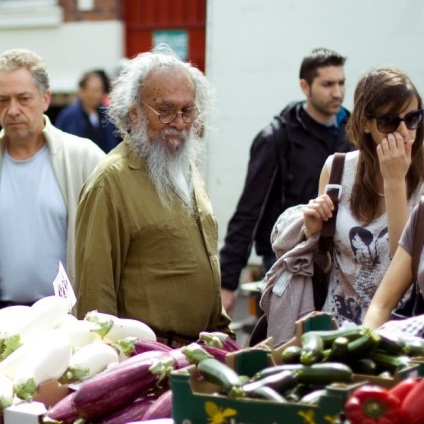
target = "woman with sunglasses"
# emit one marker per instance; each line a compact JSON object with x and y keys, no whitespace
{"x":381,"y":184}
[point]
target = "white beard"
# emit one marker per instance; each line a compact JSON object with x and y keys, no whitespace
{"x":170,"y":170}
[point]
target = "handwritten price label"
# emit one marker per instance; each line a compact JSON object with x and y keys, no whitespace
{"x":63,"y":287}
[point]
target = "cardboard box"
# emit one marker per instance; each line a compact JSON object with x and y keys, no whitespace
{"x":322,"y":321}
{"x":196,"y":402}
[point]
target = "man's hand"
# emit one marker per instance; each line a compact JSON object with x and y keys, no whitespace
{"x":228,"y":300}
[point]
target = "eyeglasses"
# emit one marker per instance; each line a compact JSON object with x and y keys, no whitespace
{"x":167,"y":116}
{"x":388,"y":124}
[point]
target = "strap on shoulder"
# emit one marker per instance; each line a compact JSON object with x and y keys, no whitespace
{"x":418,"y":239}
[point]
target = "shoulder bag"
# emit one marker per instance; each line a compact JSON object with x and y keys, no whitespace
{"x":322,"y":257}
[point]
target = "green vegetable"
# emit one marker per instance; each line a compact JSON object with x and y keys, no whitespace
{"x":390,"y":362}
{"x":325,"y":373}
{"x":338,"y":351}
{"x":363,"y":345}
{"x":291,"y":355}
{"x":222,"y":375}
{"x":312,"y":348}
{"x":329,"y":336}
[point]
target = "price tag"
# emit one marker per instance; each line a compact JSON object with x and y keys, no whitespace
{"x":63,"y":287}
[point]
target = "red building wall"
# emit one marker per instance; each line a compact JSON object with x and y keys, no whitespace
{"x":145,"y":18}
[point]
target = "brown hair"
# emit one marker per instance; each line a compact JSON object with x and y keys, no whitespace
{"x":380,"y":91}
{"x":316,"y":59}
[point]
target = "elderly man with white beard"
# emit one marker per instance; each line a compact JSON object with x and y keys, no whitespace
{"x":146,"y":236}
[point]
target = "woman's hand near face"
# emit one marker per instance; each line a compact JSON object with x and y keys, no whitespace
{"x":317,"y":211}
{"x":394,"y":155}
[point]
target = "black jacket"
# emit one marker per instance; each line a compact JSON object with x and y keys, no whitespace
{"x":295,"y":147}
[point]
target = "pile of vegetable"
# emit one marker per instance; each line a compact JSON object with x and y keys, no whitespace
{"x":365,"y":351}
{"x":117,"y":367}
{"x":282,"y":383}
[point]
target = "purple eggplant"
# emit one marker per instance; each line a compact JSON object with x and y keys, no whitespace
{"x":133,"y":346}
{"x":161,"y":407}
{"x":133,"y":412}
{"x":121,"y":385}
{"x":64,"y":410}
{"x":219,"y":340}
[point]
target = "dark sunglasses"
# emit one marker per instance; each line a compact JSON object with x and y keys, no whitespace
{"x":388,"y":124}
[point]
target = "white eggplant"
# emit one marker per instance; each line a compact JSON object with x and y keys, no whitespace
{"x":47,"y":313}
{"x":6,"y":392}
{"x":68,"y":319}
{"x":11,"y":363}
{"x":115,"y":329}
{"x":12,"y":317}
{"x":81,"y":332}
{"x":90,"y":360}
{"x":47,"y":362}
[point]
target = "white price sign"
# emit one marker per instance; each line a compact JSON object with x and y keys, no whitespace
{"x":63,"y":287}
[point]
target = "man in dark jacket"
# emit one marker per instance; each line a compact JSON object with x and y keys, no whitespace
{"x":286,"y":159}
{"x":87,"y":117}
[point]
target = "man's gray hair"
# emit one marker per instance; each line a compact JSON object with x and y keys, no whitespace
{"x":127,"y":87}
{"x":13,"y":59}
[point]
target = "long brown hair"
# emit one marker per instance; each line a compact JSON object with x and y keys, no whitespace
{"x":388,"y":91}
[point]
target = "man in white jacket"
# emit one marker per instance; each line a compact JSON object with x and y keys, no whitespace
{"x":42,"y":170}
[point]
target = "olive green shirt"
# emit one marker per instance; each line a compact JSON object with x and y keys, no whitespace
{"x":137,"y":259}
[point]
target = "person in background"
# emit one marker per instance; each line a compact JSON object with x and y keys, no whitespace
{"x":286,"y":159}
{"x":146,"y":236}
{"x":397,"y":280}
{"x":87,"y":117}
{"x":382,"y":182}
{"x":42,"y":170}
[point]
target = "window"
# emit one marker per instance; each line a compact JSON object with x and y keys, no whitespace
{"x":16,"y":14}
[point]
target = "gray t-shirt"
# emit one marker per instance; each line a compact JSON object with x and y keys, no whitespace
{"x":33,"y":228}
{"x":407,"y":242}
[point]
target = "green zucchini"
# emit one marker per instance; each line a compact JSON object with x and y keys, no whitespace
{"x":291,"y":355}
{"x":338,"y":351}
{"x":222,"y":375}
{"x":363,"y":345}
{"x":325,"y":373}
{"x":329,"y":336}
{"x":391,"y":343}
{"x":312,"y":348}
{"x":391,"y":363}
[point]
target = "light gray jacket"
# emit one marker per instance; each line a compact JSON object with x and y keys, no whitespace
{"x":73,"y":159}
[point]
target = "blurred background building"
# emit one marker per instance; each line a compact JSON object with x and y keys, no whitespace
{"x":74,"y":36}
